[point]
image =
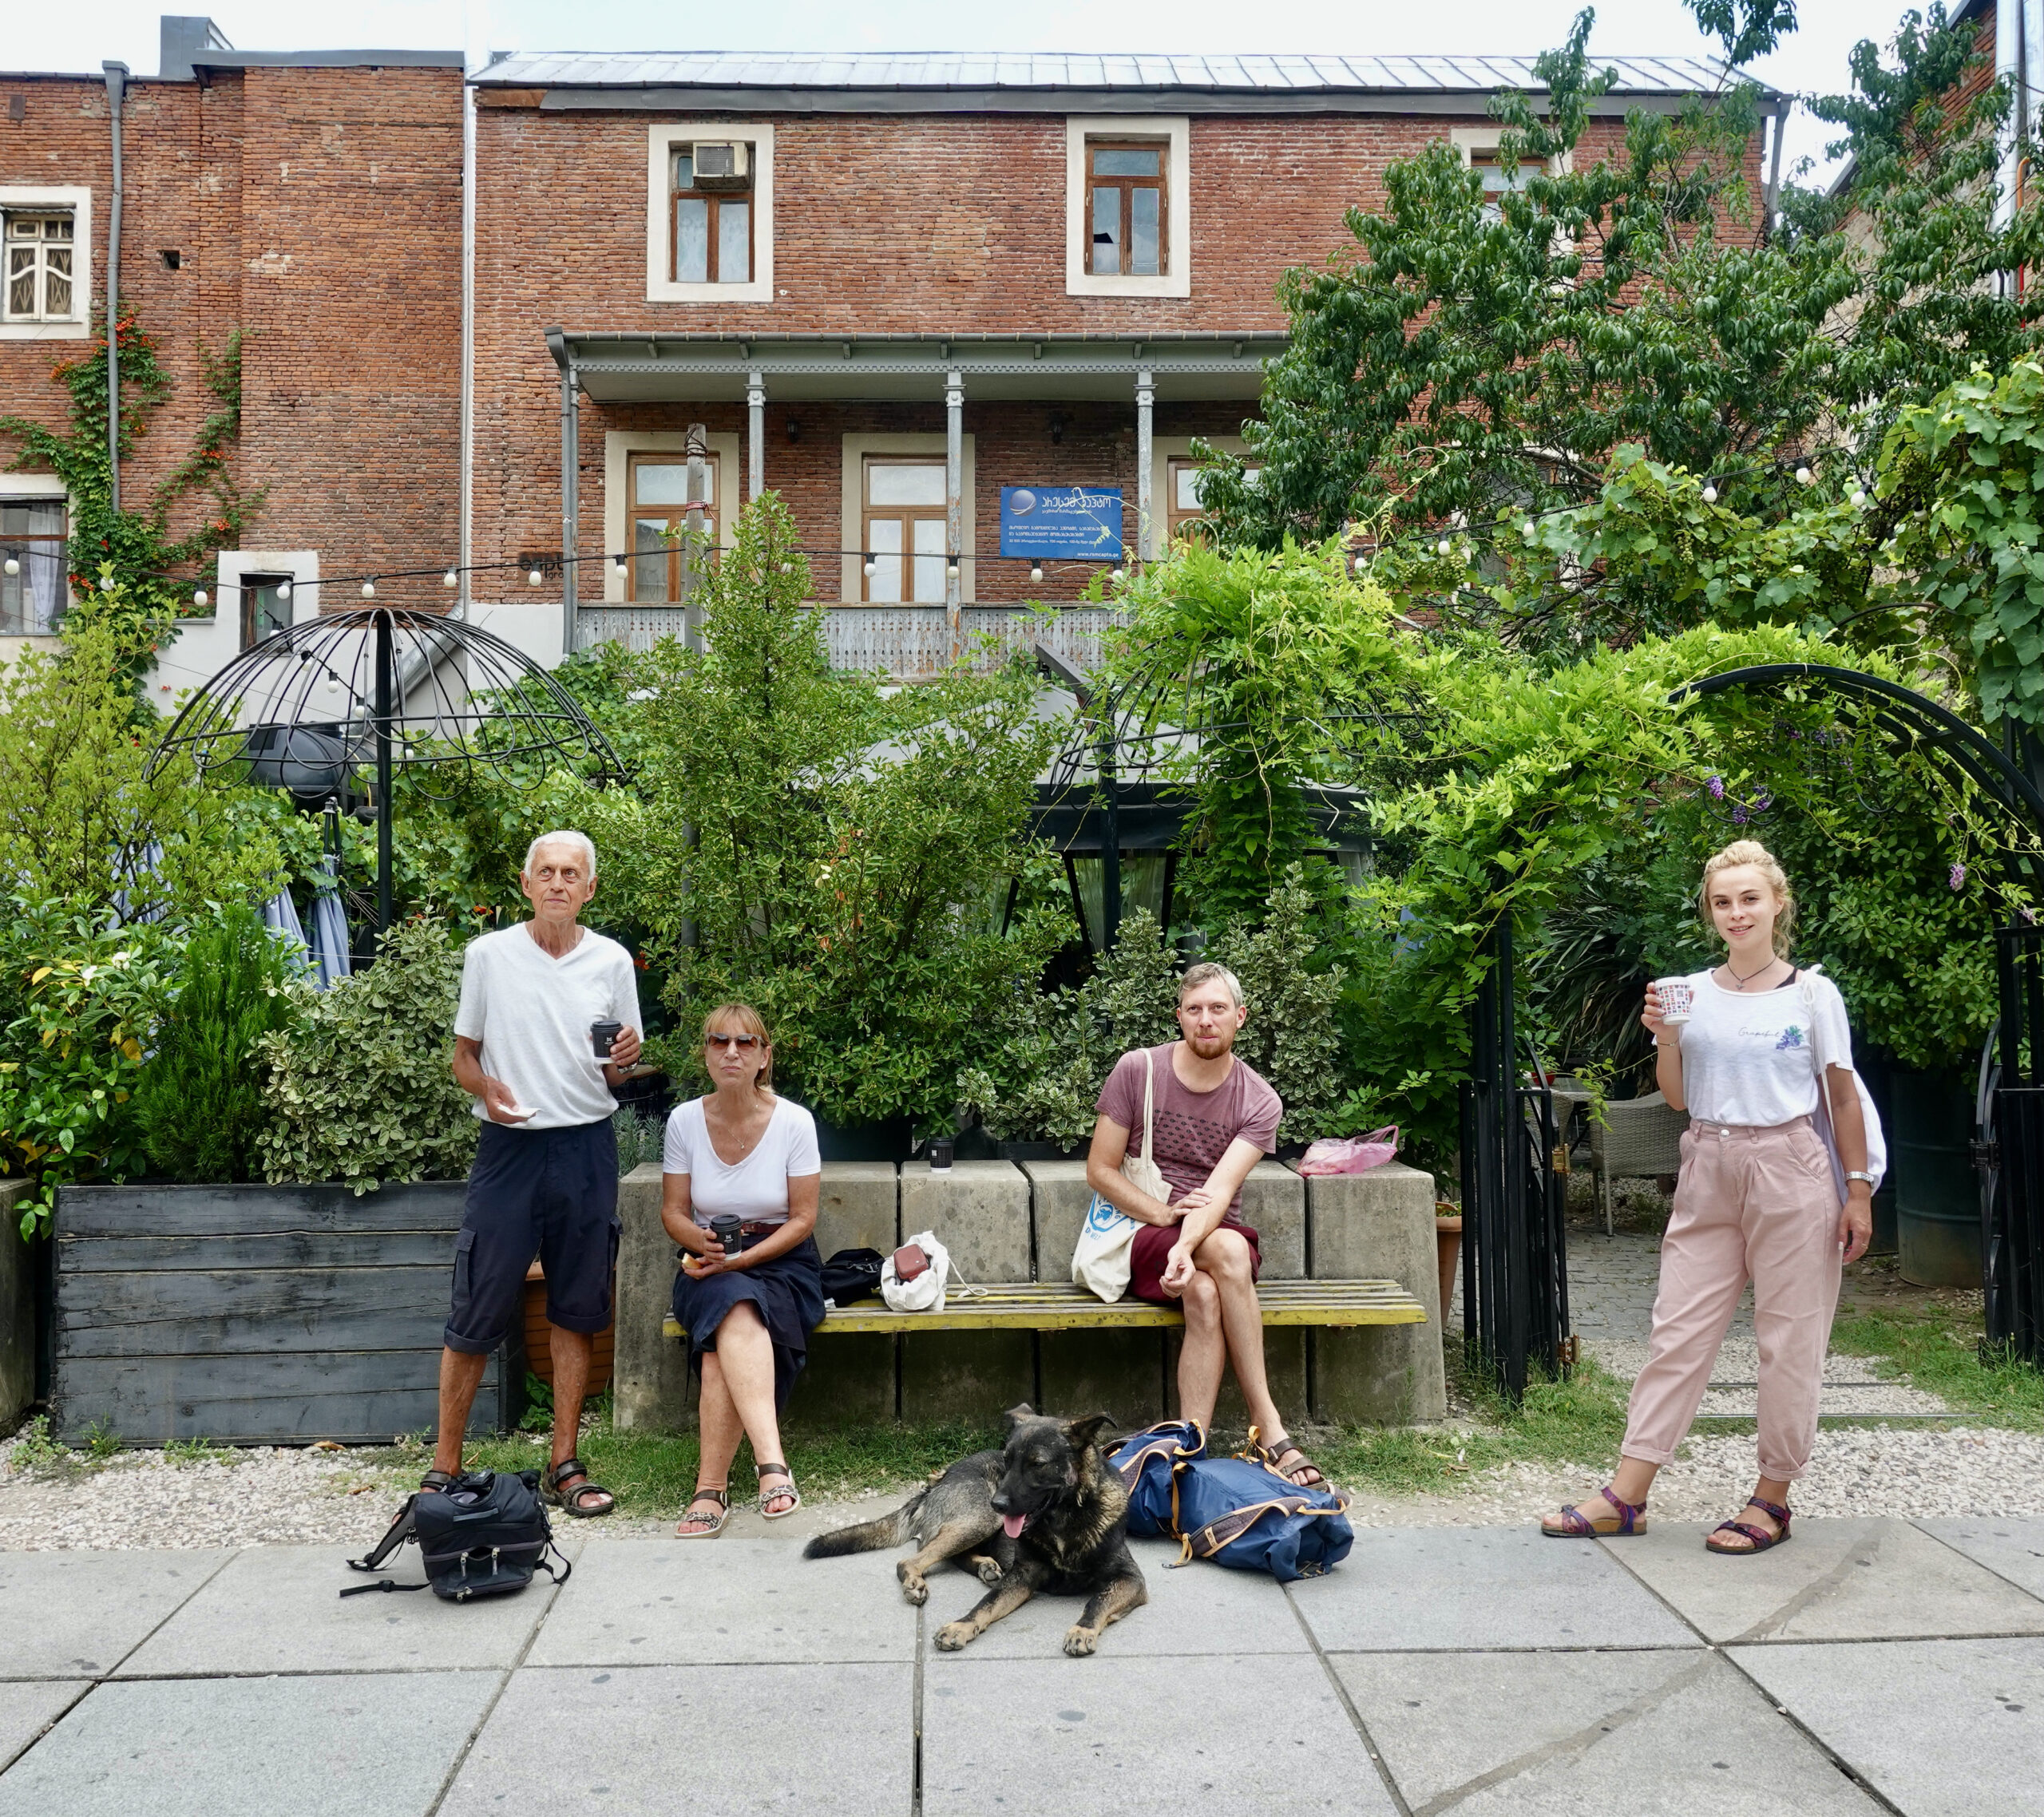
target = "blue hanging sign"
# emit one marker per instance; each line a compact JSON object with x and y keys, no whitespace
{"x":1075,"y":523}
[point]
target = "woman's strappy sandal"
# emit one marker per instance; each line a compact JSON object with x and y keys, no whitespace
{"x":569,"y":1500}
{"x":1762,"y":1540}
{"x":790,"y":1493}
{"x":1626,"y":1519}
{"x":1285,"y":1458}
{"x":704,"y":1526}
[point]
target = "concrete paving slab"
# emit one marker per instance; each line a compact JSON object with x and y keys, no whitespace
{"x":91,"y":1609}
{"x":1835,"y":1581}
{"x":1200,"y":1609}
{"x":1045,"y":1738}
{"x":28,"y":1709}
{"x":1940,"y":1728}
{"x":316,"y":1747}
{"x":2009,"y":1548}
{"x":1423,"y":1588}
{"x":1564,"y":1733}
{"x":658,"y":1739}
{"x":279,"y":1608}
{"x":725,"y":1602}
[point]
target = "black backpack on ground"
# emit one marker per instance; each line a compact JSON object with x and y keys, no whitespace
{"x":484,"y":1534}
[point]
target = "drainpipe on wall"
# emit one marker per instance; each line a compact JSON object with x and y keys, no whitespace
{"x":116,"y":83}
{"x":1774,"y":167}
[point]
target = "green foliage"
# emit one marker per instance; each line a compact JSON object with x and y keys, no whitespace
{"x":360,"y":1088}
{"x":78,"y":994}
{"x":199,"y":1106}
{"x":102,"y":1443}
{"x":81,"y":816}
{"x":1462,"y":362}
{"x":136,"y":547}
{"x":34,"y":1449}
{"x":1941,"y":1349}
{"x":837,"y":855}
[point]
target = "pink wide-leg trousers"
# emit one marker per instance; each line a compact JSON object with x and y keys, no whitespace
{"x":1753,"y":1203}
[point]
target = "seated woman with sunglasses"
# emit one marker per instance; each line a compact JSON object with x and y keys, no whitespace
{"x":744,"y":1152}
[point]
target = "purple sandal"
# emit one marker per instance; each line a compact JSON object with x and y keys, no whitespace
{"x":1762,"y":1540}
{"x":1575,"y":1525}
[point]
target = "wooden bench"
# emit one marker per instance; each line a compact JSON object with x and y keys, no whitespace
{"x":1056,"y":1305}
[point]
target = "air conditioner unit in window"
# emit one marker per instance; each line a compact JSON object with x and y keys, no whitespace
{"x":722,"y":166}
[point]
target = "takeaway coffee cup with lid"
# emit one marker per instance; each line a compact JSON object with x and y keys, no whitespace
{"x":601,"y":1036}
{"x":1678,"y":998}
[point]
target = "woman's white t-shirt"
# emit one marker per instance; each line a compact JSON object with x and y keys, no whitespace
{"x":756,"y":1189}
{"x":1747,"y":1057}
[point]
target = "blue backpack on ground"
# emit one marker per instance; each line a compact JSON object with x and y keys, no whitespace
{"x":1236,"y":1511}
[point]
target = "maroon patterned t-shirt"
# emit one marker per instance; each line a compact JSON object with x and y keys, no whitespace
{"x":1192,"y":1128}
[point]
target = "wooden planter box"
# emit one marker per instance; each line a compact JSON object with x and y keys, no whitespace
{"x":260,"y":1315}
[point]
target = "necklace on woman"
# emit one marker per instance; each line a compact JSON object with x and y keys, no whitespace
{"x":1741,"y":983}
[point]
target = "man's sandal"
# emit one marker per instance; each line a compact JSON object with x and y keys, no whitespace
{"x":704,"y":1526}
{"x":435,"y":1481}
{"x":789,"y":1493}
{"x":1626,"y":1519}
{"x":1762,"y":1540}
{"x":1285,"y":1458}
{"x":552,"y":1485}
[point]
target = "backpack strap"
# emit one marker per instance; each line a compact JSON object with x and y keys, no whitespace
{"x":403,"y":1528}
{"x":385,"y":1584}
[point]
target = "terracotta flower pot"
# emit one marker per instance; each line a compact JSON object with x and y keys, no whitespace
{"x":1448,"y":1242}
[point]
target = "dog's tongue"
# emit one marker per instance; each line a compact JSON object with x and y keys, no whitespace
{"x":1011,"y":1525}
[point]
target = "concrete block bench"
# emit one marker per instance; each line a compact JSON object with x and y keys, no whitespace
{"x":1347,"y":1291}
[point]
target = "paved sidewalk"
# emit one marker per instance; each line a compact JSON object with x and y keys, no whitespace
{"x":1869,"y":1666}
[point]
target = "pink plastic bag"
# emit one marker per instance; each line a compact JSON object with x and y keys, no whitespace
{"x":1351,"y":1154}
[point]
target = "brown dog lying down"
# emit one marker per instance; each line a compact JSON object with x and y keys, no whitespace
{"x":1046,"y":1512}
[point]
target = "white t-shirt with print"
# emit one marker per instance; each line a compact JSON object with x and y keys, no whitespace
{"x":532,"y":1013}
{"x":1746,"y":1056}
{"x":756,"y":1189}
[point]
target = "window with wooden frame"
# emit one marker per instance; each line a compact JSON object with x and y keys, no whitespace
{"x":33,"y":537}
{"x":1499,"y":178}
{"x":656,"y":515}
{"x":39,"y":249}
{"x":1127,"y":208}
{"x":903,"y":536}
{"x":1182,"y":508}
{"x":712,"y":226}
{"x":264,"y":611}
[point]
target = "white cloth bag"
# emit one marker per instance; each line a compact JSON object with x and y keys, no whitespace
{"x":926,"y":1292}
{"x":1100,"y":1261}
{"x":1876,"y":1140}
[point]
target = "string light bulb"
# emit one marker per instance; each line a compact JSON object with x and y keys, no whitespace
{"x":1036,"y":574}
{"x":13,"y":566}
{"x":617,"y":567}
{"x":199,"y":597}
{"x":1443,"y":547}
{"x":533,"y":578}
{"x":951,"y":568}
{"x":870,"y":566}
{"x":1859,"y":498}
{"x":109,"y":584}
{"x":450,"y":579}
{"x":1803,"y":476}
{"x":1528,"y":530}
{"x":283,"y":589}
{"x":368,"y":593}
{"x":1710,"y":495}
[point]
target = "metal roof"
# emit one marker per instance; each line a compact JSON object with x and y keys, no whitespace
{"x":879,"y":73}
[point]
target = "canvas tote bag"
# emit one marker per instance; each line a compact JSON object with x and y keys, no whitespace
{"x":1100,"y":1263}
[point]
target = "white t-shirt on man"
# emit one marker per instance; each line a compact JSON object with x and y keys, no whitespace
{"x":756,"y":1189}
{"x":1746,"y":1055}
{"x":532,"y":1013}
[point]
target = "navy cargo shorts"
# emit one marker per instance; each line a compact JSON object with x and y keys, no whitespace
{"x":551,"y":1193}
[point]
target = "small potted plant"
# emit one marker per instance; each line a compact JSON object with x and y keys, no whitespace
{"x":1447,"y":1244}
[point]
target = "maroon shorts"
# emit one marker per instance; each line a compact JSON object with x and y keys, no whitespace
{"x":1152,"y":1248}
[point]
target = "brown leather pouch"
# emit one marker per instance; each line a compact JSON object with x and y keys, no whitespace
{"x":909,"y":1261}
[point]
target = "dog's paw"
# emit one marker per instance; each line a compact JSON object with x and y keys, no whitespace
{"x":989,"y":1571}
{"x":954,"y":1635}
{"x":1080,"y":1642}
{"x":915,"y":1591}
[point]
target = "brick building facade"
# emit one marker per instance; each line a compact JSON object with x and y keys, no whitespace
{"x":888,"y":288}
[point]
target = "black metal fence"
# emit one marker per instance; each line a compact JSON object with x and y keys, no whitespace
{"x":1515,"y":1258}
{"x":2011,"y":1151}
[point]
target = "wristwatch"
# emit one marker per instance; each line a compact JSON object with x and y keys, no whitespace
{"x":1853,"y":1174}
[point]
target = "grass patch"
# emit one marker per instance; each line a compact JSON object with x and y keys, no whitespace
{"x":1578,"y":1421}
{"x":651,"y":1474}
{"x":1937,"y":1349}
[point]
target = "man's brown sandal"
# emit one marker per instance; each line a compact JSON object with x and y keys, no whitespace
{"x":704,"y":1526}
{"x":1285,"y":1458}
{"x":1626,"y":1519}
{"x":789,"y":1493}
{"x":553,"y":1486}
{"x":1762,"y":1540}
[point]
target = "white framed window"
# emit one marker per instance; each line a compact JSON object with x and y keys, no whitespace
{"x":45,"y":262}
{"x":1479,"y":146}
{"x":710,"y":212}
{"x":1128,"y":205}
{"x":894,"y":514}
{"x":646,"y":489}
{"x":34,"y":532}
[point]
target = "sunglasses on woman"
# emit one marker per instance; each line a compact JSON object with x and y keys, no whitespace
{"x":745,"y":1044}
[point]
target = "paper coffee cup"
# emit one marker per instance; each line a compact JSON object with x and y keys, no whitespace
{"x":1678,"y":998}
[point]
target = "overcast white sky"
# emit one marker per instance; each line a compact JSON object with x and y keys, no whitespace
{"x":80,"y":36}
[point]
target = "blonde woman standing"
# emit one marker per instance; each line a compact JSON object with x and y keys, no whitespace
{"x":1757,"y":1199}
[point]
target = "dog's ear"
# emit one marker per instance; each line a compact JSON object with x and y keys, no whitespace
{"x":1016,"y":1415}
{"x":1083,"y":1432}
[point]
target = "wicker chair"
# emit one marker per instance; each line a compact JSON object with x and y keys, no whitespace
{"x":1638,"y":1137}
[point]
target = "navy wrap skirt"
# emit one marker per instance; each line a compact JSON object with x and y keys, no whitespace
{"x":788,"y":1294}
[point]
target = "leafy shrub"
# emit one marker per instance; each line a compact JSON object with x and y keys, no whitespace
{"x":198,"y":1105}
{"x":360,"y":1088}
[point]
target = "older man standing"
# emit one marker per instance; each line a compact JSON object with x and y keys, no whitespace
{"x":530,"y":1048}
